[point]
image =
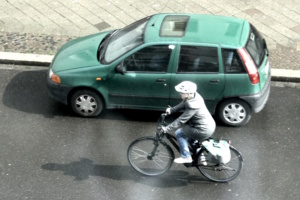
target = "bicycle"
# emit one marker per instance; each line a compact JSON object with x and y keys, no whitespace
{"x":152,"y":156}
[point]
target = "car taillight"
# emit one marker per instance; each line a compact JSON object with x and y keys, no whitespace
{"x":250,"y":66}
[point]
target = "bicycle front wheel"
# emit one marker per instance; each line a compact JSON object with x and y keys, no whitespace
{"x":220,"y":172}
{"x":149,"y":156}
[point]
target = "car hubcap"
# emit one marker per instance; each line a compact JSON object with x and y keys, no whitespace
{"x":86,"y":104}
{"x":234,"y":113}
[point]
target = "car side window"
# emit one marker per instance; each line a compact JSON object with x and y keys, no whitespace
{"x":150,"y":59}
{"x":198,"y":59}
{"x":232,"y":61}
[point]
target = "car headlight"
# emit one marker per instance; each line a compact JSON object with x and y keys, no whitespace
{"x":53,"y":77}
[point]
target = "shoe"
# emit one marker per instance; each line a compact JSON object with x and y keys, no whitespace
{"x":183,"y":160}
{"x":203,"y":160}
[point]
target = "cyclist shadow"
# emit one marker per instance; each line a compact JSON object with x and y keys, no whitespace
{"x":84,"y":168}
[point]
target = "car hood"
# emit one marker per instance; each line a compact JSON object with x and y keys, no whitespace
{"x":78,"y":53}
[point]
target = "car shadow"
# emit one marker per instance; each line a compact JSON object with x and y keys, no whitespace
{"x":27,"y":92}
{"x":84,"y":168}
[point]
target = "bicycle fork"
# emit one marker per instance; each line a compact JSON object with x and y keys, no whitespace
{"x":152,"y":154}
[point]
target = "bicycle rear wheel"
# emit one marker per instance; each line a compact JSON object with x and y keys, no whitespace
{"x":149,"y":156}
{"x":220,"y":172}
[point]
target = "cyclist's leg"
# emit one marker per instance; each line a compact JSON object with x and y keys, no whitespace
{"x":188,"y":135}
{"x":197,"y":133}
{"x":182,"y":143}
{"x":192,"y":142}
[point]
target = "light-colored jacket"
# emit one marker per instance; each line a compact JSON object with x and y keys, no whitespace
{"x":194,"y":113}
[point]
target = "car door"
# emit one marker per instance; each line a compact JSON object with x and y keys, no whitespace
{"x":201,"y":65}
{"x":145,"y":81}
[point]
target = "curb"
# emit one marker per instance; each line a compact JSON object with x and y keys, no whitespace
{"x":25,"y":59}
{"x":281,"y":75}
{"x":285,"y":75}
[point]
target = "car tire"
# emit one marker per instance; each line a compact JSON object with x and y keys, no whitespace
{"x":234,"y":112}
{"x":86,"y":103}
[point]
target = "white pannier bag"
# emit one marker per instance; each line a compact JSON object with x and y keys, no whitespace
{"x":219,"y":149}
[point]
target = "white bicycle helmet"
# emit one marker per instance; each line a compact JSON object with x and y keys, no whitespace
{"x":186,"y":87}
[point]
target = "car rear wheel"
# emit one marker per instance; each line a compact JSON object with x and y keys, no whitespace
{"x":234,"y":112}
{"x":86,"y":103}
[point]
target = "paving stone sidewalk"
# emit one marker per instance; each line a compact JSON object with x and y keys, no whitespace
{"x":43,"y":26}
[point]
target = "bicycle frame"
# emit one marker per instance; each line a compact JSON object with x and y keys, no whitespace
{"x":173,"y":140}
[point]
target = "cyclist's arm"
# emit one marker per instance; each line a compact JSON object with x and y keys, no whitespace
{"x":177,"y":108}
{"x":185,"y":117}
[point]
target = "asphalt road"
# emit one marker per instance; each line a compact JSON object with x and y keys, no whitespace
{"x":49,"y":153}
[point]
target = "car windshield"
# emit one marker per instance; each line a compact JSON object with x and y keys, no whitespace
{"x":256,"y":46}
{"x":125,"y":40}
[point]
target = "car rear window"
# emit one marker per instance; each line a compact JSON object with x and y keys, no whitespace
{"x":256,"y":46}
{"x":174,"y":26}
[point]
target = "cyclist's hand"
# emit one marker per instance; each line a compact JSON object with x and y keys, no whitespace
{"x":163,"y":129}
{"x":168,"y":111}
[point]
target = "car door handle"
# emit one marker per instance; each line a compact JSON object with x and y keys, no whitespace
{"x":161,"y":80}
{"x":214,"y":81}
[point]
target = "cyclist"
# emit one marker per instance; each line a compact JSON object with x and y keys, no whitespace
{"x":195,"y":123}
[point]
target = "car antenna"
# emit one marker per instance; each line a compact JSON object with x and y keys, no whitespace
{"x":153,"y":24}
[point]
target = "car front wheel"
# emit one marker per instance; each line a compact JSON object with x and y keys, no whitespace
{"x":86,"y":103}
{"x":234,"y":112}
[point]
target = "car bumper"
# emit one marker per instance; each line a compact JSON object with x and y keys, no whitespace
{"x":58,"y":92}
{"x":259,"y":100}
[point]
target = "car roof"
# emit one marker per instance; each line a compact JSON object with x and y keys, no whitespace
{"x":228,"y":32}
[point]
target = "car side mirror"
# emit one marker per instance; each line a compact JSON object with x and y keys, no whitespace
{"x":120,"y":69}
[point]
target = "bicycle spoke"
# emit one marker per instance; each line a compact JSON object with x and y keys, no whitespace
{"x":157,"y":163}
{"x":139,"y":150}
{"x":164,"y":155}
{"x":227,"y":168}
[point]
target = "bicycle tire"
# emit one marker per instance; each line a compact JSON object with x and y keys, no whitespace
{"x":220,"y":172}
{"x":139,"y":156}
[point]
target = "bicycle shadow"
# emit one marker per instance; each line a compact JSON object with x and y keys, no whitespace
{"x":84,"y":168}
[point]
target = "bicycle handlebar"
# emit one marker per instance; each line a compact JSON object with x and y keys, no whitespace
{"x":164,"y":114}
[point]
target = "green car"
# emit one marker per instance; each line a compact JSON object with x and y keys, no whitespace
{"x":138,"y":66}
